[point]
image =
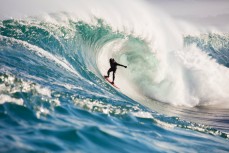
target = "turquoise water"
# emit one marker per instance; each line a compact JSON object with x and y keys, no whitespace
{"x":53,"y":97}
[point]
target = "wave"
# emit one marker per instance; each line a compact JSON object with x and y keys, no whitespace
{"x":175,"y":72}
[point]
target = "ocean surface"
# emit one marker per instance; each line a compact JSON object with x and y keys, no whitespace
{"x":173,"y":96}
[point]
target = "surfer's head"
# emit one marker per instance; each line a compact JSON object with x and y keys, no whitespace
{"x":112,"y":60}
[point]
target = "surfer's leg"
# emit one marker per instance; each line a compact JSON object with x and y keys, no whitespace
{"x":113,"y":76}
{"x":108,"y":73}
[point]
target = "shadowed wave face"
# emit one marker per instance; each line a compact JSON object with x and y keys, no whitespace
{"x":53,"y":97}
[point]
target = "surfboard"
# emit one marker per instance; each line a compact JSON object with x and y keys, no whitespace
{"x":110,"y":82}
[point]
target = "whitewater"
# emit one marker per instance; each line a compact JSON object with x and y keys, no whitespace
{"x":173,"y":96}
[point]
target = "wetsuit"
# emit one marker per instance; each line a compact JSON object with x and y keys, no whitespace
{"x":113,"y":68}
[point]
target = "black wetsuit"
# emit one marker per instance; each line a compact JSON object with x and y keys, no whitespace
{"x":113,"y":68}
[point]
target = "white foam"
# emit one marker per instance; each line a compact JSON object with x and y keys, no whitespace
{"x":43,"y":91}
{"x":42,"y":111}
{"x":148,"y":115}
{"x":7,"y":98}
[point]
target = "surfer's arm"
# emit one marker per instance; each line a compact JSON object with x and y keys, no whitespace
{"x":121,"y":65}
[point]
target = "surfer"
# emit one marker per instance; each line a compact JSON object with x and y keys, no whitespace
{"x":113,"y":68}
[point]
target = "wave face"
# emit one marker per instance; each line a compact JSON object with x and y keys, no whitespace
{"x":53,"y":96}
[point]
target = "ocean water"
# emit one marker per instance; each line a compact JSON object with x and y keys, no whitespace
{"x":173,"y":96}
